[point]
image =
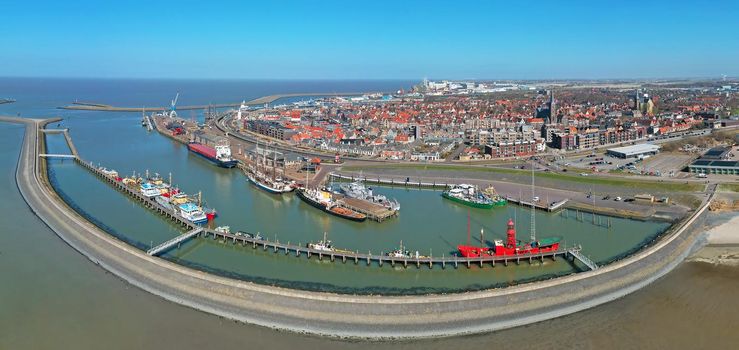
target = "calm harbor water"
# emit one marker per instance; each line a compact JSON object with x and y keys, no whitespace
{"x":53,"y":297}
{"x":427,"y":222}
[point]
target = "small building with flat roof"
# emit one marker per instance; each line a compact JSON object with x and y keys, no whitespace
{"x":633,"y":151}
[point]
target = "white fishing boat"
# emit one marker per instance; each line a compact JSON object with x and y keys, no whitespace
{"x":193,"y":213}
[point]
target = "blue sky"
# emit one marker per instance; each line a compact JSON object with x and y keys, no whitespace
{"x":370,"y":39}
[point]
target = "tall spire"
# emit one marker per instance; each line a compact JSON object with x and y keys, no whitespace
{"x":552,"y":107}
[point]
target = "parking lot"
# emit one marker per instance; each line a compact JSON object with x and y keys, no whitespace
{"x":666,"y":164}
{"x":594,"y":161}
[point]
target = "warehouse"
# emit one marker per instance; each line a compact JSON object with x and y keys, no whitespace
{"x":635,"y":151}
{"x":708,"y":166}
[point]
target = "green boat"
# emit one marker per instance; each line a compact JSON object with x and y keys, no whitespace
{"x":469,"y":196}
{"x":499,"y":201}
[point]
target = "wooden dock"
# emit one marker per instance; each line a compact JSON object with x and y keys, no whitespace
{"x":373,"y":211}
{"x":391,"y":181}
{"x":551,"y":207}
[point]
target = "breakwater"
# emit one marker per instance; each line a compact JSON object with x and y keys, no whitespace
{"x":94,"y":106}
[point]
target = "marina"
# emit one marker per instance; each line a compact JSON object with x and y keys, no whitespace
{"x":374,"y":249}
{"x":298,"y":250}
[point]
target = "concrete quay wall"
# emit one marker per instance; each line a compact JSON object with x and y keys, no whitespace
{"x":346,"y":315}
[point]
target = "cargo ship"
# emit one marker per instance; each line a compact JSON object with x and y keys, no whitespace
{"x":468,"y":195}
{"x":511,"y":247}
{"x":321,"y":199}
{"x":220,"y":155}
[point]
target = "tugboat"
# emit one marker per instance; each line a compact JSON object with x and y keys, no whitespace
{"x":468,"y":195}
{"x":321,"y":199}
{"x":324,"y":245}
{"x":402,"y":252}
{"x":358,"y":190}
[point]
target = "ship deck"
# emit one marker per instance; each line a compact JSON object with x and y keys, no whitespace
{"x":373,"y":211}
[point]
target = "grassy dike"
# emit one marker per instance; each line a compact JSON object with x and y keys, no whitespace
{"x":588,"y":180}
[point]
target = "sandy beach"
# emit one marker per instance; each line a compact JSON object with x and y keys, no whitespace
{"x":726,"y":233}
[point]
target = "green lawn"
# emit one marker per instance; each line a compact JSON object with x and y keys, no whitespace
{"x":595,"y":180}
{"x":730,"y":187}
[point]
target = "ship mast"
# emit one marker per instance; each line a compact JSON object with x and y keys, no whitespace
{"x":469,"y":238}
{"x":533,"y":206}
{"x":274,"y":163}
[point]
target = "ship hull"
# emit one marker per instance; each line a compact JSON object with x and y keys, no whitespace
{"x":478,"y":252}
{"x":264,"y":187}
{"x":221,"y":163}
{"x":468,"y":203}
{"x":323,"y":207}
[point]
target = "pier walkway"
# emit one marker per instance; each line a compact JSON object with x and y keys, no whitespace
{"x":174,"y":241}
{"x":577,"y":254}
{"x":538,"y":205}
{"x":48,"y":155}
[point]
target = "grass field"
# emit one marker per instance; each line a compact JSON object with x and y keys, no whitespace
{"x":594,"y":180}
{"x":734,"y":187}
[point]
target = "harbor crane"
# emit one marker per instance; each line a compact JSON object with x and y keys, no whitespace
{"x":173,"y":106}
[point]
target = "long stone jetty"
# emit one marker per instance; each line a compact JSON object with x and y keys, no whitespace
{"x":371,"y":316}
{"x":92,"y":106}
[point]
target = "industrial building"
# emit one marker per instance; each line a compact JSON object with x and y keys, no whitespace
{"x":708,"y":166}
{"x":715,"y":161}
{"x":634,"y":151}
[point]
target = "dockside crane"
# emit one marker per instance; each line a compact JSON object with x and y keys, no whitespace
{"x":173,"y":106}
